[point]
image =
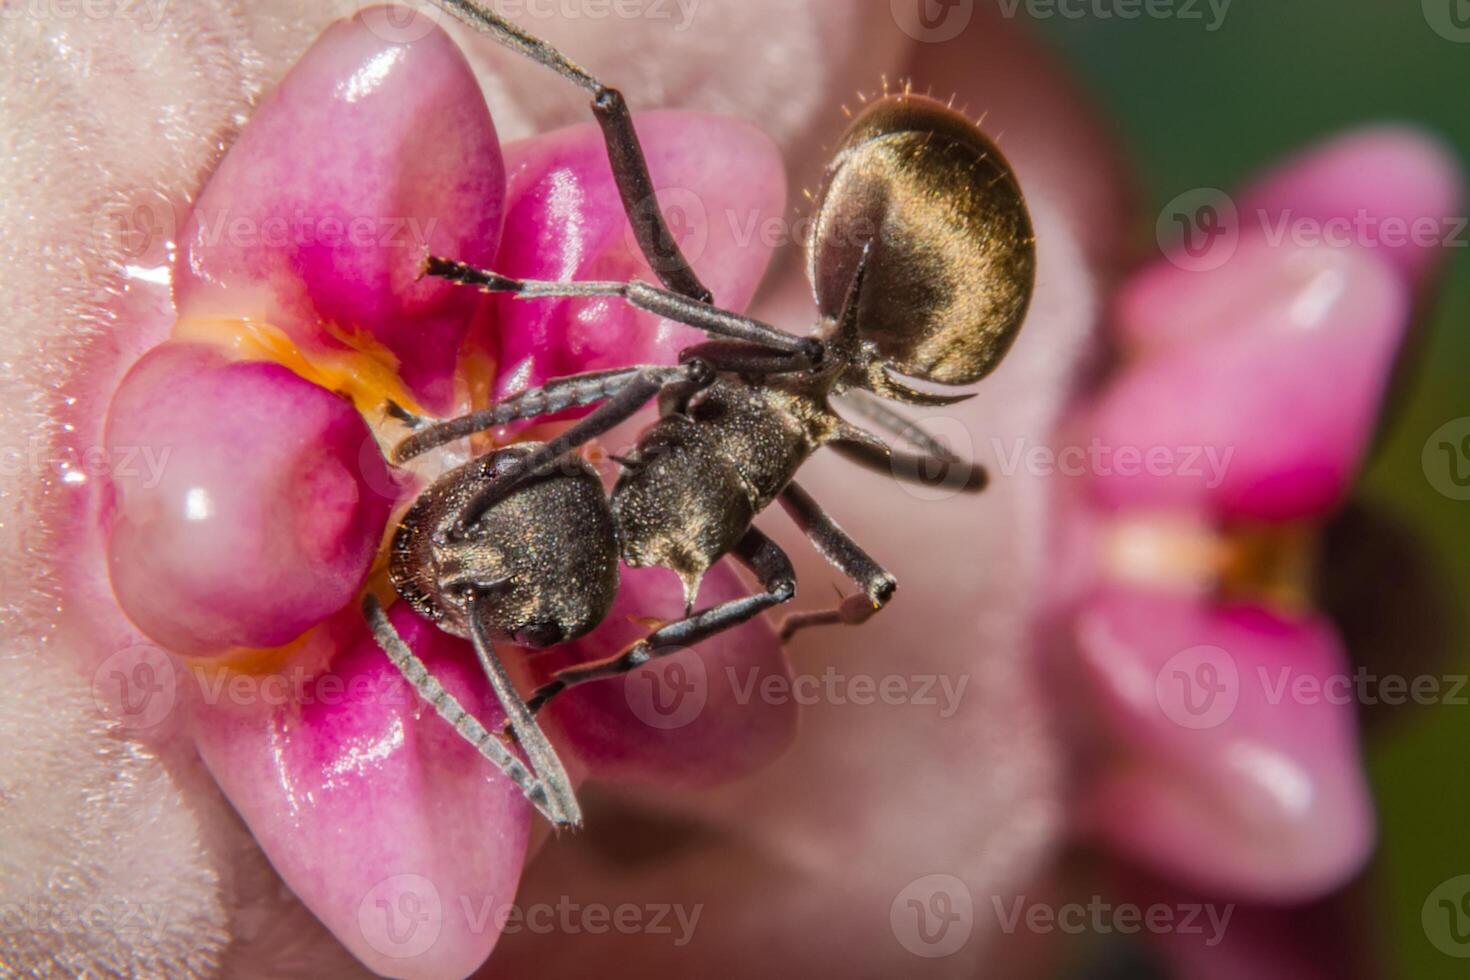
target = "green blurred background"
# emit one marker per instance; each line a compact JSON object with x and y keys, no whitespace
{"x":1201,"y":109}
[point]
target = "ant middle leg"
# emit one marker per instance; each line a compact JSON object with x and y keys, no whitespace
{"x":758,"y":553}
{"x":624,"y":151}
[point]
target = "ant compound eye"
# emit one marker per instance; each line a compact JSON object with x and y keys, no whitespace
{"x":952,"y":256}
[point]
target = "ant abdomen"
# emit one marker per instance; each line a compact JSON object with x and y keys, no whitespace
{"x":543,"y":562}
{"x":952,"y":258}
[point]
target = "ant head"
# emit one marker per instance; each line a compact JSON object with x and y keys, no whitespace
{"x":923,"y":250}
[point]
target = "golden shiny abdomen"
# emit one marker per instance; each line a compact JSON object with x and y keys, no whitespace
{"x":953,"y":256}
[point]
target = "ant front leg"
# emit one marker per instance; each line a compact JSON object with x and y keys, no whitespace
{"x":847,"y":556}
{"x":624,"y":151}
{"x":639,"y":295}
{"x":551,"y":797}
{"x":758,"y":553}
{"x":555,"y":396}
{"x":644,"y":385}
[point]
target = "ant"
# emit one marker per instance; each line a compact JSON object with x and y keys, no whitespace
{"x":922,"y":263}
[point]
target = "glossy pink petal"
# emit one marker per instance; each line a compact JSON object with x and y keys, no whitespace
{"x":1397,"y":188}
{"x":251,"y":504}
{"x":1266,"y":413}
{"x":367,"y":157}
{"x":720,"y":183}
{"x":381,"y":818}
{"x":694,"y":719}
{"x":1230,"y":754}
{"x":1368,"y":190}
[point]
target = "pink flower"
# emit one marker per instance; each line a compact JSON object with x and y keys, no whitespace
{"x":306,"y":254}
{"x":1247,"y":389}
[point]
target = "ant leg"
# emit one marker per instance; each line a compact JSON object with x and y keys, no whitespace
{"x":847,"y":556}
{"x":746,"y":359}
{"x":448,"y":708}
{"x":539,"y":752}
{"x":555,"y":396}
{"x":624,"y":151}
{"x":950,"y":472}
{"x":638,"y":391}
{"x":875,"y":410}
{"x":758,"y":553}
{"x":640,"y":295}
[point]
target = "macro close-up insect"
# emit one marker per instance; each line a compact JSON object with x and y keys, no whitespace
{"x":922,"y":262}
{"x":736,"y":488}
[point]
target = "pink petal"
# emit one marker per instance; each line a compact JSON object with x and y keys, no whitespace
{"x":1274,"y":398}
{"x":1394,"y":192}
{"x":366,"y":158}
{"x":695,"y":718}
{"x":1231,"y":749}
{"x":1401,"y":188}
{"x":382,"y":819}
{"x":719,"y":182}
{"x":251,"y":505}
